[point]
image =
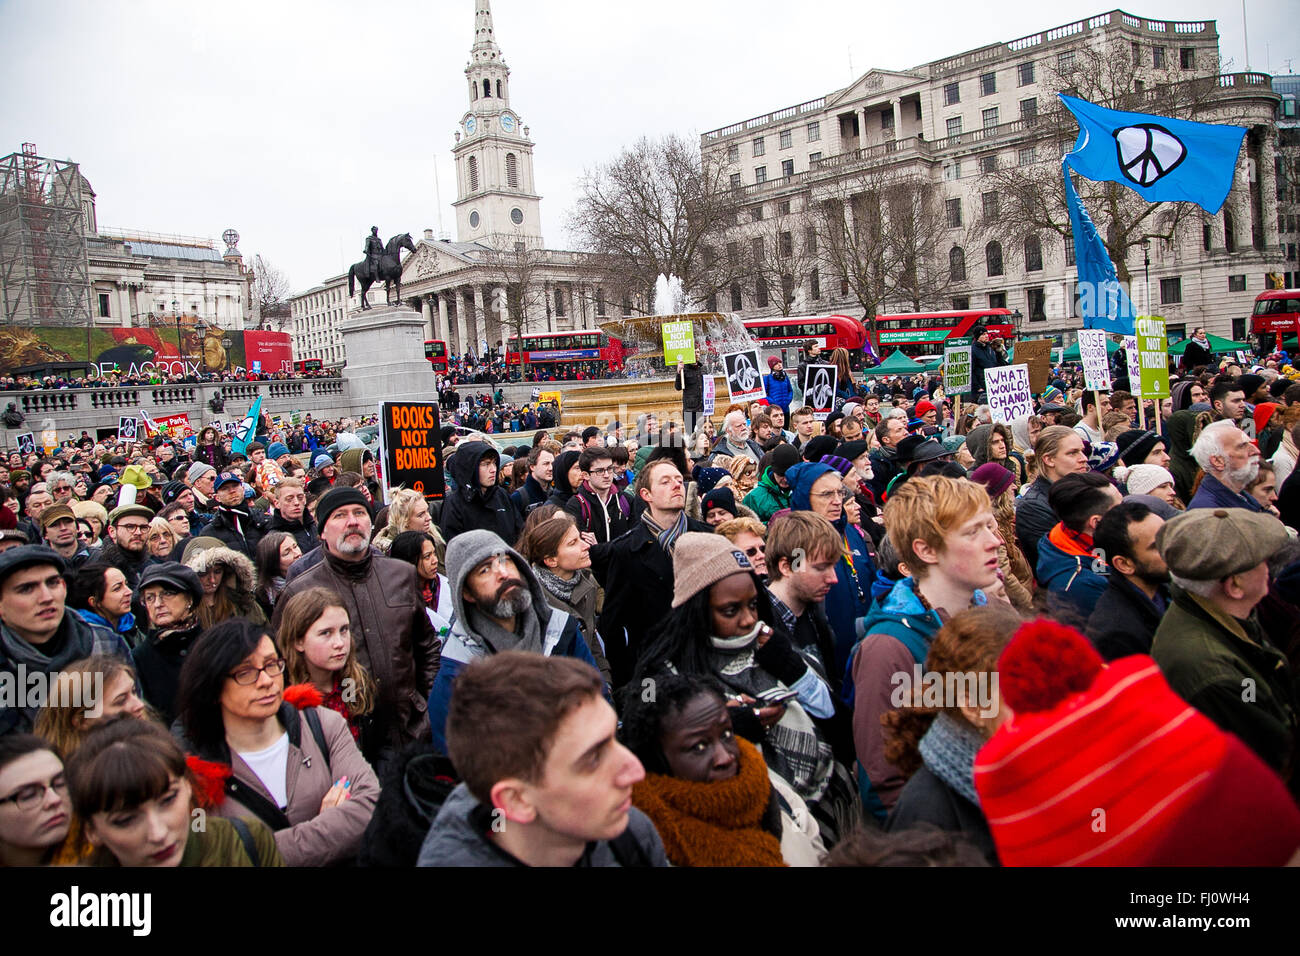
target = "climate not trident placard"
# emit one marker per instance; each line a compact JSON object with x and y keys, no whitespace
{"x":1153,"y":355}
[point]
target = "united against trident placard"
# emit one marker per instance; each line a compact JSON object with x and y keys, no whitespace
{"x":1153,"y":354}
{"x":956,"y":366}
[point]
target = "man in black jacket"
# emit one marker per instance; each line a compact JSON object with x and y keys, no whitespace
{"x":477,"y":501}
{"x":291,"y":514}
{"x":1126,"y":616}
{"x":233,"y":523}
{"x":636,"y":570}
{"x":600,"y":509}
{"x":983,"y":356}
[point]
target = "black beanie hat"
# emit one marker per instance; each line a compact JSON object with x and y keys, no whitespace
{"x":1135,"y":444}
{"x":723,"y":498}
{"x":819,"y":446}
{"x":783,"y":456}
{"x":336,"y":498}
{"x":851,"y":449}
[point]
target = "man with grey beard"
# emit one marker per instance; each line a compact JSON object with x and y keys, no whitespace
{"x":500,"y":606}
{"x":394,"y":638}
{"x":1230,"y":461}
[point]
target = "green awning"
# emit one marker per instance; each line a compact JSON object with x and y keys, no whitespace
{"x":1072,"y":353}
{"x":1217,"y":345}
{"x":900,"y":364}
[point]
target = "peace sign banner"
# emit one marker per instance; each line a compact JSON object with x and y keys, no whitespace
{"x":819,"y":385}
{"x":744,"y":380}
{"x":410,"y":444}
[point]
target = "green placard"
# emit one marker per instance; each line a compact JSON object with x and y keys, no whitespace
{"x":956,"y":365}
{"x":1153,"y":356}
{"x":679,"y":339}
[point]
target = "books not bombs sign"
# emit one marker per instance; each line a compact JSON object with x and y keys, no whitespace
{"x":411,"y":447}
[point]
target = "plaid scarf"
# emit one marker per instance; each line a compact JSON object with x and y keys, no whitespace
{"x":667,"y":537}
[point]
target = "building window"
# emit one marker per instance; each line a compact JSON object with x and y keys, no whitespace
{"x":512,"y":171}
{"x":1029,"y":109}
{"x":1171,"y":291}
{"x":957,"y":264}
{"x":761,"y":293}
{"x":844,"y":286}
{"x":600,"y":301}
{"x":473,"y":172}
{"x":989,"y":163}
{"x":759,"y":146}
{"x":953,"y":208}
{"x":815,"y":284}
{"x":711,"y":303}
{"x":735,"y":180}
{"x":733,"y":153}
{"x":952,"y":171}
{"x":1033,"y":255}
{"x":559,"y":303}
{"x":814,"y":158}
{"x":990,"y":204}
{"x":997,"y":300}
{"x":783,"y":207}
{"x":786,"y":141}
{"x":787,"y":168}
{"x":103,"y":306}
{"x":1187,"y":58}
{"x":757,"y":213}
{"x":1157,"y":57}
{"x":785,"y":245}
{"x":498,"y":89}
{"x":990,"y":117}
{"x":736,"y":304}
{"x":954,"y":126}
{"x":1235,"y":284}
{"x":1027,"y":156}
{"x":993,"y":256}
{"x":1207,"y":237}
{"x":814,"y":131}
{"x":1229,"y":231}
{"x":1037,"y":305}
{"x":733,"y":253}
{"x":1025,"y":74}
{"x":756,"y":248}
{"x":887,"y":119}
{"x":988,"y":84}
{"x":760,"y":174}
{"x":960,"y":303}
{"x":1065,"y":61}
{"x":951,"y":93}
{"x":487,"y":88}
{"x":810,"y":240}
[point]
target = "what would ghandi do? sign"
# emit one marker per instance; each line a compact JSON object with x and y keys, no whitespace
{"x":411,"y":447}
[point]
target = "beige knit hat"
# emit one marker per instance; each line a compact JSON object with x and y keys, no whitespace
{"x":702,"y":560}
{"x":1142,"y":478}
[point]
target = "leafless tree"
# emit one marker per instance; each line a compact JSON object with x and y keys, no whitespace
{"x":513,"y":265}
{"x":270,"y":293}
{"x":782,"y":250}
{"x":658,"y":208}
{"x":1031,"y":193}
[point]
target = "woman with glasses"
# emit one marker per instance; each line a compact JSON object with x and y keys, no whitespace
{"x":161,"y":540}
{"x":561,"y":558}
{"x":176,"y":516}
{"x":100,"y":594}
{"x":171,"y":594}
{"x":35,"y":811}
{"x":293,"y":764}
{"x":819,"y":488}
{"x":136,"y":800}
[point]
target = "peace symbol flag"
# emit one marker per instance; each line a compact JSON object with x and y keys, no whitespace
{"x":1102,"y":300}
{"x":1160,"y":158}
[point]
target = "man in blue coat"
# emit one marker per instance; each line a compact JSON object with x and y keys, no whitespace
{"x":1230,"y":461}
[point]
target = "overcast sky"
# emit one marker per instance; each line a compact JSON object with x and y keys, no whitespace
{"x":192,"y":116}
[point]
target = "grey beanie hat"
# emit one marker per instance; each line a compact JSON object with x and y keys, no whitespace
{"x":197,"y":471}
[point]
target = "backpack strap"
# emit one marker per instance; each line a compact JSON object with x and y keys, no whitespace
{"x":262,"y":808}
{"x":246,"y":838}
{"x":318,"y":733}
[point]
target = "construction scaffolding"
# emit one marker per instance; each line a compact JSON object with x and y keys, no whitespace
{"x":44,"y":268}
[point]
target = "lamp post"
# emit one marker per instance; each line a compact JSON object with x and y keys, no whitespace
{"x":200,"y":329}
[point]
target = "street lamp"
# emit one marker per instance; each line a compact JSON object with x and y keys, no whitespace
{"x":200,"y":329}
{"x":180,"y":342}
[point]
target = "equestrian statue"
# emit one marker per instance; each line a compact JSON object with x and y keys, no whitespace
{"x":381,"y":264}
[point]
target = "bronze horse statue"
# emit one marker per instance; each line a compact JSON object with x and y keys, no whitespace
{"x":390,"y":270}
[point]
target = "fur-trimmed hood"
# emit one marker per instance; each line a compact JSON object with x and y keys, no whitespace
{"x":231,"y":560}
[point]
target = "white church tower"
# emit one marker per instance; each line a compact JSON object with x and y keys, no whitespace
{"x":496,"y":199}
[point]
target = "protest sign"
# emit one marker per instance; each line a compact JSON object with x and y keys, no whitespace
{"x":1134,"y":364}
{"x":1037,"y":355}
{"x":410,"y":443}
{"x":26,"y":443}
{"x":1096,"y":363}
{"x":820,"y":382}
{"x":230,"y":427}
{"x":127,"y":426}
{"x":1009,"y":394}
{"x":556,"y":397}
{"x":1153,"y":356}
{"x":710,"y":395}
{"x":744,"y":381}
{"x":679,"y":340}
{"x":956,"y":366}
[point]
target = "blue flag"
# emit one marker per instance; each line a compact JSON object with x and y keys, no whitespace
{"x":247,"y":429}
{"x":1159,"y":158}
{"x":1102,"y":299}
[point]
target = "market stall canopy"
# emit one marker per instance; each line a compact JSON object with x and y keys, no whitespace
{"x":1072,"y":353}
{"x":900,"y":364}
{"x":1217,"y":345}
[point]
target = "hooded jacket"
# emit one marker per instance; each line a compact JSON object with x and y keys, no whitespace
{"x":74,"y":640}
{"x":619,"y":512}
{"x":459,"y":837}
{"x":767,"y":497}
{"x":468,"y":507}
{"x":313,"y":837}
{"x":849,"y":598}
{"x":303,"y":530}
{"x":1181,"y":434}
{"x":561,"y":490}
{"x":1034,"y":518}
{"x":241,"y":582}
{"x":1065,"y":569}
{"x":561,"y":632}
{"x":780,"y":391}
{"x":237,"y":528}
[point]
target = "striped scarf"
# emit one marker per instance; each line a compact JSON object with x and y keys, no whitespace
{"x":667,"y":537}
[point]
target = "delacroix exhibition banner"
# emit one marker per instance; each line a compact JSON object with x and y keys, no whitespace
{"x":142,"y":351}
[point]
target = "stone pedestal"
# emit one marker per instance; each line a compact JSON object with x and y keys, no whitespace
{"x":385,"y":353}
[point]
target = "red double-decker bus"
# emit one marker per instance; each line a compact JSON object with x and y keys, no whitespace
{"x":588,"y":350}
{"x":303,"y":366}
{"x":923,"y":333}
{"x":796,"y":331}
{"x":435,"y":350}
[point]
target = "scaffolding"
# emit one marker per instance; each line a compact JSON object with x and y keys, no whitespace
{"x":44,"y":267}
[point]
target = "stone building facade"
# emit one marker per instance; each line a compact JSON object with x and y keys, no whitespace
{"x":957,"y":120}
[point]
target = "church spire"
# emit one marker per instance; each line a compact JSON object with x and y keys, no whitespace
{"x":485,"y":42}
{"x":488,"y":75}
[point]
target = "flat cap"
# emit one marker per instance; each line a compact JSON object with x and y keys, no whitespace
{"x":123,"y":511}
{"x":1210,"y":544}
{"x":15,"y":559}
{"x":55,"y":513}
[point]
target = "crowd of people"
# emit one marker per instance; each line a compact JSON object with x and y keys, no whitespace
{"x":904,"y":635}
